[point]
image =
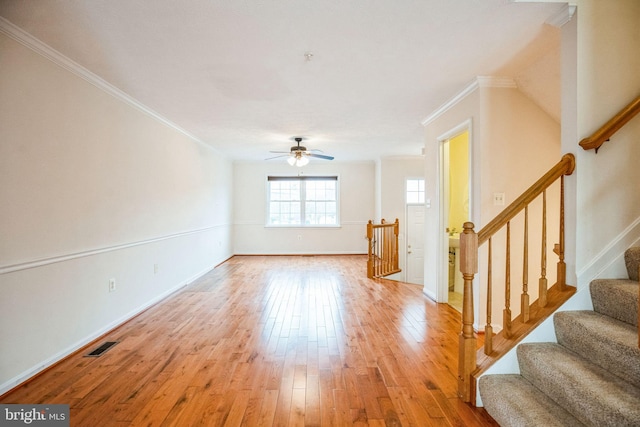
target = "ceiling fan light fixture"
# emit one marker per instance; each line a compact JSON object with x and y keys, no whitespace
{"x":298,"y":159}
{"x":299,"y":155}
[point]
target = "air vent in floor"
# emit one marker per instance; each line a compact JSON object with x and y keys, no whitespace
{"x":101,"y":350}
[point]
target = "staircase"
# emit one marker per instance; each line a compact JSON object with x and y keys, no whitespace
{"x":590,"y":377}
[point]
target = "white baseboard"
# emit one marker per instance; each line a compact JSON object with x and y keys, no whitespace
{"x":610,"y":254}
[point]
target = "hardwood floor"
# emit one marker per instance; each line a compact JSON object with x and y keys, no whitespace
{"x":263,"y":341}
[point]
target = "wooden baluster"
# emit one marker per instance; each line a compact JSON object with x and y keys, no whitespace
{"x":562,"y":267}
{"x":467,"y":339}
{"x":387,"y":250}
{"x":385,"y":266}
{"x":382,"y":243}
{"x":542,"y":283}
{"x":375,"y":252}
{"x":524,"y":298}
{"x":396,"y":230}
{"x":506,"y":313}
{"x":381,"y":257}
{"x":370,"y":250}
{"x":378,"y":244}
{"x":488,"y":329}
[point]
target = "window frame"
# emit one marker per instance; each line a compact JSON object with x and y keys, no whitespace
{"x":423,"y":192}
{"x":303,"y":200}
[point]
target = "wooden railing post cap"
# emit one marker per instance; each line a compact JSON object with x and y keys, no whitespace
{"x":468,"y":250}
{"x":572,"y":163}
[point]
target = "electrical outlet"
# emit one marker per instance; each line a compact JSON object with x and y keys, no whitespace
{"x":112,"y":285}
{"x":155,"y":268}
{"x":498,"y":199}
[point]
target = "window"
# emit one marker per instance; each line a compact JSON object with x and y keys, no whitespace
{"x":308,"y":201}
{"x":415,"y":191}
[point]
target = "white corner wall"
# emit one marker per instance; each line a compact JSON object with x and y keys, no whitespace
{"x":93,"y":189}
{"x":357,"y":204}
{"x":513,"y":143}
{"x":608,"y":200}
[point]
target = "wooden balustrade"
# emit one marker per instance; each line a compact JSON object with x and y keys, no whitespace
{"x":383,"y":249}
{"x":469,"y":243}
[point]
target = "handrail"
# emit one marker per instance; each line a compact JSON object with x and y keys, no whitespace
{"x":469,"y":243}
{"x":603,"y":134}
{"x":564,"y":167}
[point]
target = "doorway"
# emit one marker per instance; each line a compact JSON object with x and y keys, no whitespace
{"x":455,"y":211}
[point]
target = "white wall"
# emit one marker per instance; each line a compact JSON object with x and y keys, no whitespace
{"x":357,"y":194}
{"x":93,"y":188}
{"x":608,"y":200}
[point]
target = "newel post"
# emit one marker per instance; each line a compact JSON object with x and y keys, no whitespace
{"x":370,"y":249}
{"x":467,"y":341}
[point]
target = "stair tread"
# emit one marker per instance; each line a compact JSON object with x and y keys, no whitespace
{"x":632,"y":260}
{"x":592,"y":374}
{"x":513,"y":401}
{"x":591,"y":393}
{"x":617,"y":298}
{"x":597,"y":337}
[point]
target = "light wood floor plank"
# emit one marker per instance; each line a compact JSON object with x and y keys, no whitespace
{"x":272,"y":341}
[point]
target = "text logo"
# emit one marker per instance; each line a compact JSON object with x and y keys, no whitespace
{"x":34,"y":415}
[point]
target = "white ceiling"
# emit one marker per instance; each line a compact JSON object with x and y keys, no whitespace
{"x":234,"y":74}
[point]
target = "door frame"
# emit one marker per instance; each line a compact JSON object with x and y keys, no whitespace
{"x":442,"y":255}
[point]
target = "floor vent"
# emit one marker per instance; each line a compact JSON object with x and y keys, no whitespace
{"x":101,"y":350}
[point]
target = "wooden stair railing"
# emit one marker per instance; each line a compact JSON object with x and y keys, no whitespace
{"x":383,"y":249}
{"x":612,"y":126}
{"x":470,"y":241}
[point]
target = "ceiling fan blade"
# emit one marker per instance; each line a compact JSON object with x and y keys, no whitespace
{"x":280,"y":152}
{"x":320,"y":156}
{"x":277,"y":157}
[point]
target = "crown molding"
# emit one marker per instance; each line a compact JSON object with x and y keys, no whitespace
{"x":563,"y":16}
{"x":479,"y":81}
{"x":26,"y":39}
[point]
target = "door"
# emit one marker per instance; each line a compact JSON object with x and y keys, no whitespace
{"x":415,"y":244}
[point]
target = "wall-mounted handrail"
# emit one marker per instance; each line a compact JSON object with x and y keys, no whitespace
{"x":603,"y":134}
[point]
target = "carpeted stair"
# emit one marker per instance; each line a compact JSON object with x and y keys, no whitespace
{"x":590,"y":377}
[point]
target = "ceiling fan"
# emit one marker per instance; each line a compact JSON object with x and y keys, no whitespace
{"x":299,"y":155}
